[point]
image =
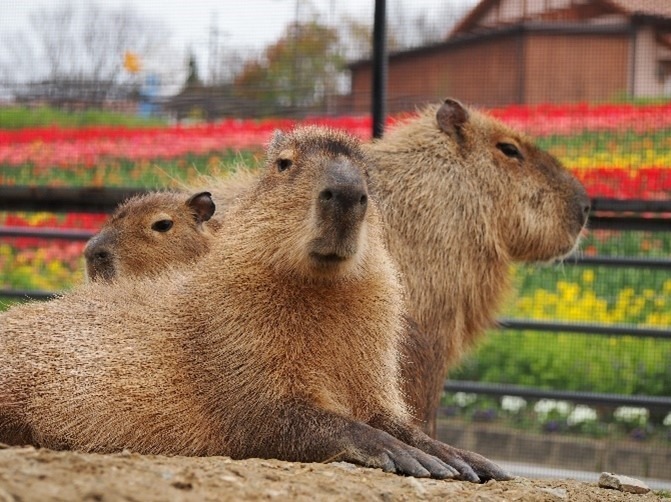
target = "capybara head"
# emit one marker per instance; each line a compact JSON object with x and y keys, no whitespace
{"x":315,"y":179}
{"x":150,"y":233}
{"x":541,"y":207}
{"x":504,"y":192}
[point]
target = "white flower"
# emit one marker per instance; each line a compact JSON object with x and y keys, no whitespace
{"x":580,"y":414}
{"x":463,"y":399}
{"x":667,"y":420}
{"x":631,"y":414}
{"x":512,"y":403}
{"x":546,"y":406}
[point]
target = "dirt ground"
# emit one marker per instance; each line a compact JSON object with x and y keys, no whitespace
{"x":27,"y":474}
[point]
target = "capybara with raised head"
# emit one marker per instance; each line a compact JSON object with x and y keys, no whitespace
{"x":149,"y":233}
{"x":283,"y":342}
{"x":464,"y":196}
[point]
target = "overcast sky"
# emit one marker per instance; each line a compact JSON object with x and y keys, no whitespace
{"x":247,"y":23}
{"x":238,"y":24}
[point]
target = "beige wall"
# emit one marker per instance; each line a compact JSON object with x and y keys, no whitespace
{"x":484,"y":74}
{"x":647,"y":82}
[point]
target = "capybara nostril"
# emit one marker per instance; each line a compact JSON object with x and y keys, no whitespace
{"x":364,"y":200}
{"x":325,"y":195}
{"x":102,"y":255}
{"x":585,"y":205}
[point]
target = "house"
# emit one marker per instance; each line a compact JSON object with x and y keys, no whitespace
{"x":534,"y":51}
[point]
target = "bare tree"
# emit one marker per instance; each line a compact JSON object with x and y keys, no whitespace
{"x":73,"y":44}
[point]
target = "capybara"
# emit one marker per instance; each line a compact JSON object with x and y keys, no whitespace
{"x":283,"y":342}
{"x":149,"y":233}
{"x":464,"y":196}
{"x":154,"y":232}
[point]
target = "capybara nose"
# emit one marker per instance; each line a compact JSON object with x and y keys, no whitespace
{"x":344,"y":198}
{"x":585,"y":205}
{"x":344,"y":189}
{"x":97,"y":253}
{"x":102,"y":255}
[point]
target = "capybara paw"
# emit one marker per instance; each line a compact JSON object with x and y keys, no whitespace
{"x":392,"y":455}
{"x":413,"y":462}
{"x":483,"y":467}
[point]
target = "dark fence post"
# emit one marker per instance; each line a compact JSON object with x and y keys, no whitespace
{"x":379,"y":89}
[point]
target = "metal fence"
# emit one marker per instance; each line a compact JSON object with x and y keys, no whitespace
{"x":638,"y":215}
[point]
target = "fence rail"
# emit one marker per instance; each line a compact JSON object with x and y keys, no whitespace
{"x":651,"y":402}
{"x":585,"y":328}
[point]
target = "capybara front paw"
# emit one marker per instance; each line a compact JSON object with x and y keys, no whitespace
{"x":409,"y":461}
{"x":484,"y":468}
{"x":375,"y":448}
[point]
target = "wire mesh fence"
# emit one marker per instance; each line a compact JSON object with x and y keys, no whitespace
{"x":579,"y":377}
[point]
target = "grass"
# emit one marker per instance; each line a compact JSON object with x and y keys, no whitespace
{"x":154,"y":174}
{"x":17,"y":117}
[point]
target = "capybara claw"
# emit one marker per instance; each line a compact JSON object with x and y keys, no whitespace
{"x":484,"y":468}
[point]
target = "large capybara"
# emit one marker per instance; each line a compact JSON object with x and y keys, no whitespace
{"x":464,"y":196}
{"x":283,"y":342}
{"x":149,"y":233}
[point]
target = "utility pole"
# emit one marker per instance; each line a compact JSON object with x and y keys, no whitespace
{"x":214,"y":50}
{"x":379,"y":90}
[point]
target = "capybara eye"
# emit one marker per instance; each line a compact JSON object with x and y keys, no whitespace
{"x":162,"y":225}
{"x":509,"y":150}
{"x":283,"y":164}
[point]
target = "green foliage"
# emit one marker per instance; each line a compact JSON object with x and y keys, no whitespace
{"x":17,"y":117}
{"x":6,"y":303}
{"x":619,"y":365}
{"x":155,"y":174}
{"x":299,"y":70}
{"x":595,"y":294}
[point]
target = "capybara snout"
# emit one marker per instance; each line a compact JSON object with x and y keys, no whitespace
{"x":583,"y":204}
{"x":344,"y":194}
{"x":99,"y":257}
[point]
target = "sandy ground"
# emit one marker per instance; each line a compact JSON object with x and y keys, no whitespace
{"x":27,"y":474}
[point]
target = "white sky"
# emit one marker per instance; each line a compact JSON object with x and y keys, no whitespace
{"x":242,"y":24}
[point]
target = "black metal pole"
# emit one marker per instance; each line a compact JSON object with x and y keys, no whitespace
{"x":379,"y":90}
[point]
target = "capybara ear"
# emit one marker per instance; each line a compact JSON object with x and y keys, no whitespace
{"x":202,"y":206}
{"x":276,"y":140}
{"x":451,"y":116}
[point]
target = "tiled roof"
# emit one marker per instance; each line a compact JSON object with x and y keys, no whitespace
{"x":655,"y":8}
{"x":660,"y":8}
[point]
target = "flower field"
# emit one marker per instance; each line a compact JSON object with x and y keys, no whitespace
{"x":617,"y":151}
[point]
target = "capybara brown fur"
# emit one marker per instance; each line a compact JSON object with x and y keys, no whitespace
{"x":149,"y":233}
{"x":154,"y":232}
{"x":282,"y":343}
{"x":464,"y":196}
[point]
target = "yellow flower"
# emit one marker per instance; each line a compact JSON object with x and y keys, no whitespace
{"x":131,"y":62}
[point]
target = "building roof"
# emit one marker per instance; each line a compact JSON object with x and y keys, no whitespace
{"x":658,"y":8}
{"x":568,"y":10}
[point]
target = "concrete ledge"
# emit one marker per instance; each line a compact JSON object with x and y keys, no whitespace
{"x":550,"y":450}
